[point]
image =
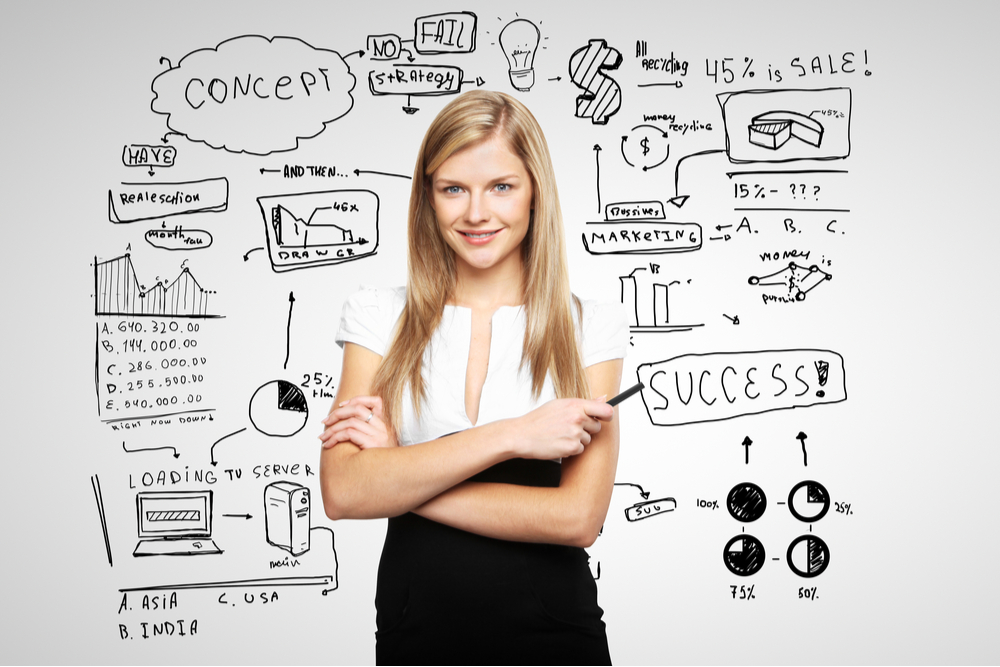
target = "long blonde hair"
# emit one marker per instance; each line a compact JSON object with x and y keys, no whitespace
{"x":551,"y":344}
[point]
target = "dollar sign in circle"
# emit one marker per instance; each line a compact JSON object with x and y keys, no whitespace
{"x":587,"y":68}
{"x":645,"y":146}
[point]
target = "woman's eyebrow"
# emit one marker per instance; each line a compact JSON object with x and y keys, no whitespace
{"x":447,"y":182}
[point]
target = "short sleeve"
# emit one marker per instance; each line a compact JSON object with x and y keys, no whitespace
{"x":604,"y":328}
{"x":369,"y":316}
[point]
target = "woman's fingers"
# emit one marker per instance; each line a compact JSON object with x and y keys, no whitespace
{"x":349,"y":434}
{"x":359,"y":421}
{"x":350,"y":418}
{"x":599,"y":409}
{"x":355,"y":409}
{"x":372,"y":403}
{"x":350,"y":430}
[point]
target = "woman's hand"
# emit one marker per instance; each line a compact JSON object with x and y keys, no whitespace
{"x":560,"y":428}
{"x":358,"y":421}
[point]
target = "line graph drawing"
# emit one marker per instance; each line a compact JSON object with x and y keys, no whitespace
{"x":117,"y":291}
{"x":319,"y":228}
{"x":798,"y":280}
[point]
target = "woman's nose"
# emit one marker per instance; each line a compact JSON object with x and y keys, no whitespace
{"x":478,"y":210}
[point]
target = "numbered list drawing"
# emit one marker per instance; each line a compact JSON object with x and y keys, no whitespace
{"x":152,"y":350}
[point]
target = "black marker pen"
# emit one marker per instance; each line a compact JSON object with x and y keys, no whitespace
{"x":625,"y":394}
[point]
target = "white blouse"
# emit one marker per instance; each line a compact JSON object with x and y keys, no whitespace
{"x":369,"y":317}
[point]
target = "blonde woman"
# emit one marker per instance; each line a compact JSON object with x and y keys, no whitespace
{"x":464,"y":411}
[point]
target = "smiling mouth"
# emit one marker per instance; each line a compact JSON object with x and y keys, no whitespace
{"x":483,"y":235}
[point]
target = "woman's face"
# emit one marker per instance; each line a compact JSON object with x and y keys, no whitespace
{"x":482,"y":197}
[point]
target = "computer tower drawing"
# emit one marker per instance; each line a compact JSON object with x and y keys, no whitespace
{"x":286,"y":516}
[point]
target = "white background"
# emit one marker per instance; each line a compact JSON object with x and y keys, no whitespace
{"x":910,"y":307}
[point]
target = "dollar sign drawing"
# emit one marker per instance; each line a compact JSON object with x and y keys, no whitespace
{"x":645,"y":146}
{"x":603,"y":97}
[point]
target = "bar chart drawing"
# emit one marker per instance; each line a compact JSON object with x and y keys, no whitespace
{"x":648,"y":300}
{"x":117,"y":291}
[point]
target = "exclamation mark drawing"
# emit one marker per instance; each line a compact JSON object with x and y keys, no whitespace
{"x":823,"y":375}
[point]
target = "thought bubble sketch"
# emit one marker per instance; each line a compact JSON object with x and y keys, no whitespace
{"x":253,"y":94}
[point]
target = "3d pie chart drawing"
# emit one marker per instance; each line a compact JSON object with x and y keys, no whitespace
{"x":774,"y":129}
{"x":279,"y":409}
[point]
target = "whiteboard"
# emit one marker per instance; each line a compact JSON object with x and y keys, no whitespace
{"x":794,"y":201}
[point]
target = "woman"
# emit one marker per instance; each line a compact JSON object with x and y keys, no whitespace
{"x":480,"y":361}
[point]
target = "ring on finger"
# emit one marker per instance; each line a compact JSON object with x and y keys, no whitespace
{"x":369,"y":418}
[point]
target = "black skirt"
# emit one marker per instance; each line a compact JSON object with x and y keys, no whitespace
{"x":446,"y":596}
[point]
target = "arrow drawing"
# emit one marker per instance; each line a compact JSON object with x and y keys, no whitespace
{"x":212,"y":450}
{"x":288,"y":328}
{"x":644,"y":494}
{"x":597,"y":159}
{"x":358,"y":172}
{"x":150,"y":449}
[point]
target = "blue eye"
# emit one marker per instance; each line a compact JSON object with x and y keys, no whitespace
{"x":503,"y":187}
{"x":452,"y":189}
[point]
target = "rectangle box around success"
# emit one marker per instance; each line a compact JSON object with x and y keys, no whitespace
{"x":694,"y":388}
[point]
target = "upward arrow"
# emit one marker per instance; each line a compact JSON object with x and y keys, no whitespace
{"x":802,"y":439}
{"x":288,"y":328}
{"x":597,"y":159}
{"x":746,"y":446}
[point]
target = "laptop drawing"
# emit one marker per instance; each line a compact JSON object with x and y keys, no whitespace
{"x":174,"y":523}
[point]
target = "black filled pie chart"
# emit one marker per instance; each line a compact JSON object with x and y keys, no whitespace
{"x":279,"y":409}
{"x":746,"y":502}
{"x":744,"y":555}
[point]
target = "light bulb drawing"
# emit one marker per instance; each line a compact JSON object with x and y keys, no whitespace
{"x":519,"y":41}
